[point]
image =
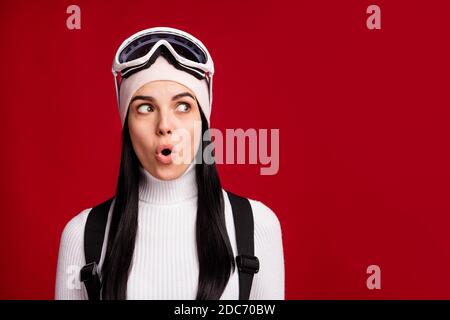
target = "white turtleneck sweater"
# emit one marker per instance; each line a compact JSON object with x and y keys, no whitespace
{"x":165,"y":264}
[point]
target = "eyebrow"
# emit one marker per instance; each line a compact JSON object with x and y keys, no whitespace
{"x":152,"y":99}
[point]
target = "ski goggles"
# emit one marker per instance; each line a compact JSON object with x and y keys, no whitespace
{"x":141,"y":49}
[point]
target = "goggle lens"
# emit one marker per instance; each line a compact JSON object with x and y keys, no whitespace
{"x":141,"y":46}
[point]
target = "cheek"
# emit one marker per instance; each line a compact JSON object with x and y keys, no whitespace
{"x":196,"y":134}
{"x":142,"y":138}
{"x":187,"y":136}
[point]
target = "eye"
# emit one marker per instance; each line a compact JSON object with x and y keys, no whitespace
{"x":184,"y":107}
{"x":144,"y":108}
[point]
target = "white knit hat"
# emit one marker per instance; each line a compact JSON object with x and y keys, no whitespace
{"x":162,"y":69}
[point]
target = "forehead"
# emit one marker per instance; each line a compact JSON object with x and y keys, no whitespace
{"x":162,"y":89}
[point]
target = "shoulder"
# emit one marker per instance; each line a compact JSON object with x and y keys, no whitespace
{"x":263,"y":213}
{"x":265,"y":219}
{"x":268,"y":283}
{"x":71,"y":259}
{"x":74,"y":229}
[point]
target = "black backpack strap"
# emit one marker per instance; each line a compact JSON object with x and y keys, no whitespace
{"x":246,"y":261}
{"x":94,"y":234}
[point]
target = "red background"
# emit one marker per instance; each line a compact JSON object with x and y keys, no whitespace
{"x":363,"y":118}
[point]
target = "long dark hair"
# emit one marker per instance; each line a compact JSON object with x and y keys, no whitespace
{"x":215,"y":255}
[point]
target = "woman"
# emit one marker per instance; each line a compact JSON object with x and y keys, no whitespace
{"x":170,"y":231}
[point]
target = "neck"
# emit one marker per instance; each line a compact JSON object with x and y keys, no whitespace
{"x":158,"y":191}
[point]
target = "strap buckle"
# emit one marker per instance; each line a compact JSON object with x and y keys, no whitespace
{"x":89,"y":275}
{"x":89,"y":272}
{"x":247,"y":263}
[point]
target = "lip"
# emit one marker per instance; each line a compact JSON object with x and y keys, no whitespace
{"x":162,"y":147}
{"x":162,"y":158}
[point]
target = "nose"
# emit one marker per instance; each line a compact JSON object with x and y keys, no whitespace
{"x":164,"y":126}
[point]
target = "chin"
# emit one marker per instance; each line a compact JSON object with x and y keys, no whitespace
{"x":168,"y":172}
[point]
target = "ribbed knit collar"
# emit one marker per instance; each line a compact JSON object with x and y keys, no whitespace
{"x":157,"y":191}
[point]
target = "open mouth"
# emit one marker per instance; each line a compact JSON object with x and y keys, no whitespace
{"x":166,"y":151}
{"x":164,"y":154}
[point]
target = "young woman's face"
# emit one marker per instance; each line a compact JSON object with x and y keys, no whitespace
{"x":164,"y":114}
